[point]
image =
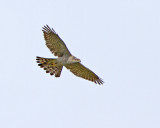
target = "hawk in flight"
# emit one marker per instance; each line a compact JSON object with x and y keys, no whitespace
{"x":65,"y":58}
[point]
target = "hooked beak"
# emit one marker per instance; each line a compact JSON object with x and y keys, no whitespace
{"x":78,"y":60}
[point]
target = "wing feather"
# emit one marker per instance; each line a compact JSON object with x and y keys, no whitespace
{"x":81,"y":71}
{"x":54,"y":42}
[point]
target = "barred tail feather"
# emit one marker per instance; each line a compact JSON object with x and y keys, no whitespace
{"x":50,"y":65}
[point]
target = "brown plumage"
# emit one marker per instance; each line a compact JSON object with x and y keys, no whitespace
{"x":65,"y":58}
{"x":79,"y":70}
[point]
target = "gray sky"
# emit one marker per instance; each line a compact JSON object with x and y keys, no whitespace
{"x":118,"y":39}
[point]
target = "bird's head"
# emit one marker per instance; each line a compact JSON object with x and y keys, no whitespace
{"x":73,"y":59}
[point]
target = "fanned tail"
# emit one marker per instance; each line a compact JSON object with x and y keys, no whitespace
{"x":50,"y":65}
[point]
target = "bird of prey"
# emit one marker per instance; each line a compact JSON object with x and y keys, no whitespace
{"x":65,"y":58}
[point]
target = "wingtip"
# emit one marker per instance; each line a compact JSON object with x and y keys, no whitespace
{"x":46,"y":28}
{"x":99,"y":81}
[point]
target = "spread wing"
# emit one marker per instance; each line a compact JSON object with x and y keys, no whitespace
{"x":81,"y":71}
{"x":54,"y":42}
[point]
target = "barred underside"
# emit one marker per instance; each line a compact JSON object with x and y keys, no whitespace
{"x":50,"y":65}
{"x":58,"y":48}
{"x":81,"y":71}
{"x":54,"y":42}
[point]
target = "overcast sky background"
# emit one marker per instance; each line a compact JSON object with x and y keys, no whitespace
{"x":118,"y":39}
